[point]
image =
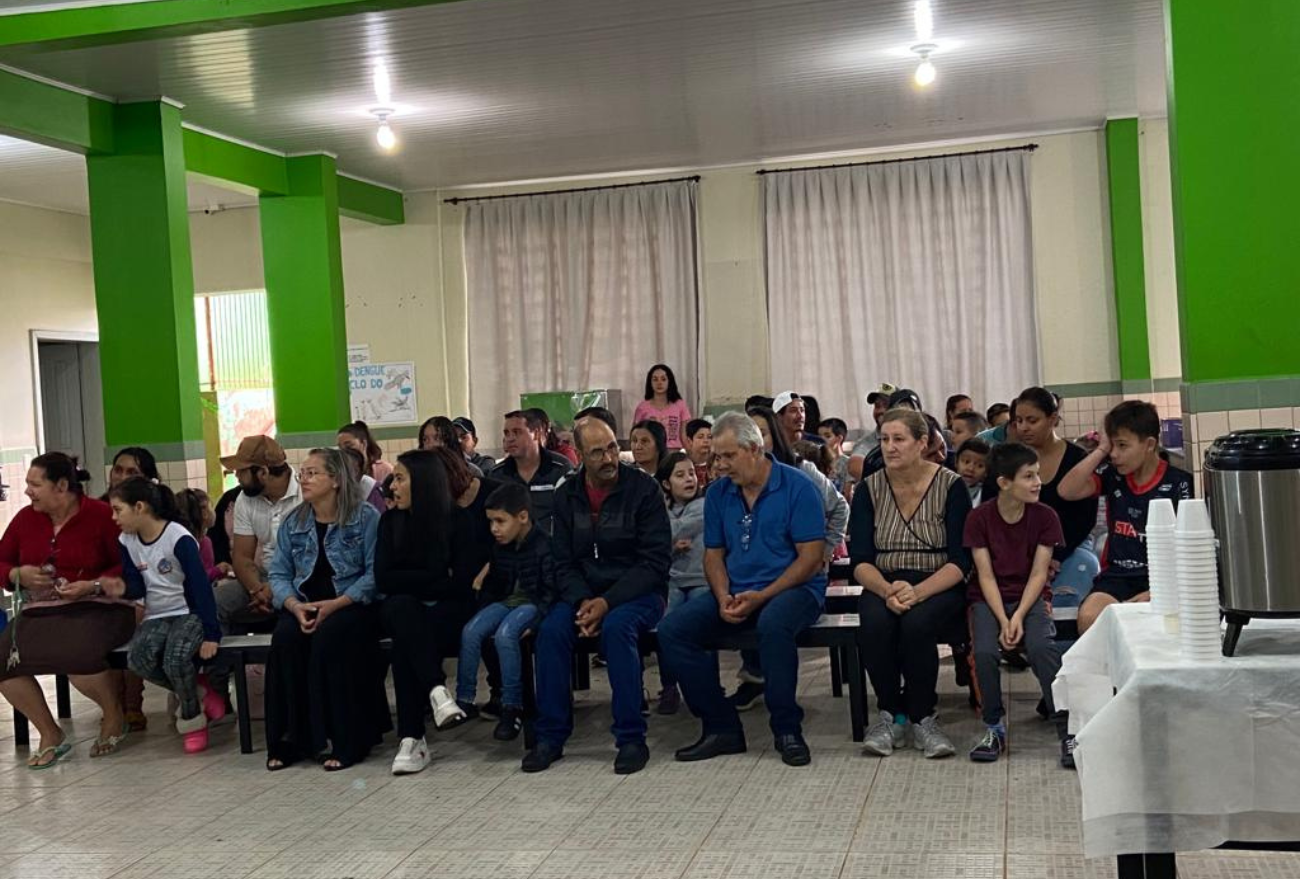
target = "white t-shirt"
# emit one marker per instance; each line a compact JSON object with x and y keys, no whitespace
{"x":161,"y":569}
{"x":260,"y":517}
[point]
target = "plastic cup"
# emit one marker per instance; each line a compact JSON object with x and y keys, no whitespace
{"x":1160,"y":514}
{"x":1194,"y":516}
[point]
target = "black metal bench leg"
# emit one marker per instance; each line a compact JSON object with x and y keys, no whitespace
{"x":1147,"y":866}
{"x":241,"y":706}
{"x":581,"y":670}
{"x":855,"y":675}
{"x":63,"y":696}
{"x":22,"y":734}
{"x":837,"y":680}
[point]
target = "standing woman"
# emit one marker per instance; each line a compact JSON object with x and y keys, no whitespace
{"x":323,"y":676}
{"x":1036,"y":421}
{"x":663,"y":403}
{"x":59,"y":551}
{"x":357,"y":436}
{"x":905,"y":542}
{"x":649,"y":442}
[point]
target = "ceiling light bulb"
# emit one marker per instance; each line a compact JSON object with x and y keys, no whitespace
{"x":924,"y":19}
{"x":925,"y":73}
{"x":385,"y":136}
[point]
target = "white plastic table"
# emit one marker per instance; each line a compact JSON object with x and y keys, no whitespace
{"x":1175,"y":755}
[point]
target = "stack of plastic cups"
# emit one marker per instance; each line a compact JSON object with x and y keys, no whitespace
{"x":1198,"y":582}
{"x":1162,"y":564}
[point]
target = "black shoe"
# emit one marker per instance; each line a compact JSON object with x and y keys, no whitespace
{"x":508,"y":727}
{"x":712,"y":745}
{"x":793,"y":750}
{"x":491,"y":709}
{"x":1041,"y":708}
{"x":631,"y":758}
{"x":470,"y":709}
{"x":1067,"y":752}
{"x":747,"y":695}
{"x":540,"y":758}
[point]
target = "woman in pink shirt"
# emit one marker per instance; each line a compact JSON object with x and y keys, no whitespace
{"x":664,"y":403}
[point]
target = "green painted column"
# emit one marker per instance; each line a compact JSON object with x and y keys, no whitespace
{"x":1233,"y":77}
{"x":303,"y":264}
{"x":1124,"y":174}
{"x":144,"y":284}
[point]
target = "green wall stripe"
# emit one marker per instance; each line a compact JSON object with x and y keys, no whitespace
{"x":1124,"y":176}
{"x":1086,"y":389}
{"x":1271,"y":393}
{"x":1232,"y":83}
{"x":319,"y":439}
{"x":16,"y":455}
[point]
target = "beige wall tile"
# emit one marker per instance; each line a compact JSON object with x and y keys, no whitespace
{"x":1243,"y":419}
{"x":1276,"y":418}
{"x":1211,"y":424}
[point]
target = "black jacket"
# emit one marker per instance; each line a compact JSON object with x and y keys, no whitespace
{"x":528,"y":566}
{"x":541,"y":490}
{"x":624,"y":555}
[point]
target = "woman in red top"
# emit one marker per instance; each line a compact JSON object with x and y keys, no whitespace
{"x":60,"y":550}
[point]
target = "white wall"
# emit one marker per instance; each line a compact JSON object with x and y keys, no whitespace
{"x":1158,"y":249}
{"x":226,"y":249}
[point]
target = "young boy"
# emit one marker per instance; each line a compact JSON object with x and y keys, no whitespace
{"x":1012,"y":539}
{"x":698,"y":446}
{"x":972,"y":467}
{"x":1127,"y":471}
{"x":834,"y":431}
{"x":521,"y":576}
{"x":967,"y":425}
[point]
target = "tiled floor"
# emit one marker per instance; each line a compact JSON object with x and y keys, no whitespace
{"x":151,"y":811}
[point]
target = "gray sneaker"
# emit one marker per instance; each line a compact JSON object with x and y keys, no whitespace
{"x":930,"y":738}
{"x":884,"y":736}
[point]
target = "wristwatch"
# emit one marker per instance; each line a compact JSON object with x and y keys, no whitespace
{"x":99,"y":587}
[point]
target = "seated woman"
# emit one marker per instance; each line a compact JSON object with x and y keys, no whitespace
{"x":649,"y":444}
{"x":59,"y":552}
{"x":425,"y":606}
{"x":905,"y":542}
{"x":324,"y":687}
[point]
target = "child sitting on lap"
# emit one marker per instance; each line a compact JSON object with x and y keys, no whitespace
{"x":1011,"y":539}
{"x":523,"y":574}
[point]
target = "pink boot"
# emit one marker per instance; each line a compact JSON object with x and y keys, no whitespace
{"x":194,"y":733}
{"x":214,"y":707}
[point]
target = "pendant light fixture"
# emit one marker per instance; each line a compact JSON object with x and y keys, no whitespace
{"x":924,"y":46}
{"x":383,"y":108}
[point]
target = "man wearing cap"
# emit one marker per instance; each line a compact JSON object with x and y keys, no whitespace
{"x":469,"y":444}
{"x":269,"y":493}
{"x":791,"y":415}
{"x":863,"y":465}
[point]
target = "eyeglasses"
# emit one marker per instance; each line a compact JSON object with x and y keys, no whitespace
{"x":306,"y":474}
{"x":746,"y":526}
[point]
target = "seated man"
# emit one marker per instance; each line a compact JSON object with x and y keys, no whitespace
{"x":764,"y":532}
{"x":612,"y":547}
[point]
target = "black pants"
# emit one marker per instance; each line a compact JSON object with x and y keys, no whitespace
{"x":905,"y":647}
{"x":422,"y":635}
{"x":325,"y":691}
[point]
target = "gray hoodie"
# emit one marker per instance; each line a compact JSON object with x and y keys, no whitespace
{"x":687,"y":522}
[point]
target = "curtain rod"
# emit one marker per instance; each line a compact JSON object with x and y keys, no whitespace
{"x":453,"y":201}
{"x":1029,"y":147}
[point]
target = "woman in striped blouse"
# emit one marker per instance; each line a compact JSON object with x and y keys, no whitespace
{"x":905,"y":541}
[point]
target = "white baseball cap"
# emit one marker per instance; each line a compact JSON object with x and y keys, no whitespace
{"x":783,"y":399}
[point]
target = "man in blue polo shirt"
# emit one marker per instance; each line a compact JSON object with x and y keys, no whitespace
{"x":764,"y":533}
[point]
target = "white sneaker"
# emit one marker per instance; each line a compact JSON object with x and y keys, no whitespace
{"x":884,"y":736}
{"x":929,"y":738}
{"x":446,"y":713}
{"x":412,"y":756}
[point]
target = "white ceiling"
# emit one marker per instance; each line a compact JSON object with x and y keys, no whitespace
{"x":521,"y":89}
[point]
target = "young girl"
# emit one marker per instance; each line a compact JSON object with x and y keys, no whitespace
{"x":196,"y":511}
{"x":357,"y":436}
{"x":664,"y":403}
{"x":686,"y":576}
{"x":160,"y":563}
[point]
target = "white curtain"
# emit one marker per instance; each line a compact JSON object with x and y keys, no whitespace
{"x":580,"y":290}
{"x":918,"y":273}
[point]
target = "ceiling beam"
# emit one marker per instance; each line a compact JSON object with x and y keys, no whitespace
{"x":362,"y":200}
{"x":78,"y":27}
{"x":50,"y":114}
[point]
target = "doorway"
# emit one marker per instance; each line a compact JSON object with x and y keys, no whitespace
{"x":69,"y":401}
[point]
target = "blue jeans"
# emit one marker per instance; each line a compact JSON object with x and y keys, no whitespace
{"x":619,"y":632}
{"x":505,"y":626}
{"x":676,"y":598}
{"x":687,"y":642}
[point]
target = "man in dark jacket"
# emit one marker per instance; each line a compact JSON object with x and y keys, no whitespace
{"x":612,"y":546}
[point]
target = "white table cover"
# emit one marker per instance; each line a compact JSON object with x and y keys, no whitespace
{"x":1176,"y":755}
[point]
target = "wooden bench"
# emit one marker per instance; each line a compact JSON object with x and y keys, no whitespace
{"x":836,"y":632}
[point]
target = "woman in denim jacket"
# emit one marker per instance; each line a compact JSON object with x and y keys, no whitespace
{"x":324,"y":685}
